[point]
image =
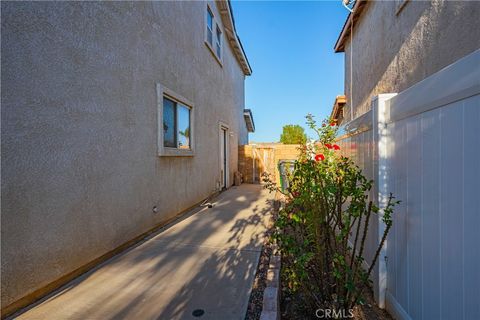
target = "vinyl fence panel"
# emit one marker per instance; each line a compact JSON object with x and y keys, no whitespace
{"x":423,"y":145}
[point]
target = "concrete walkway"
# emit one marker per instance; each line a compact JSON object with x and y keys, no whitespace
{"x":207,"y":261}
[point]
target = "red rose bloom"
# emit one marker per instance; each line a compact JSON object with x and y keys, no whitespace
{"x":319,"y":157}
{"x":332,"y":124}
{"x":336,"y":147}
{"x":328,"y":145}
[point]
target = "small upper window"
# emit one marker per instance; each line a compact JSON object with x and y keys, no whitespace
{"x":176,"y":124}
{"x":218,"y":42}
{"x":209,"y":26}
{"x":213,"y":36}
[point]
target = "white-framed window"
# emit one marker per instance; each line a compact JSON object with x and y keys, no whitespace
{"x":175,"y":124}
{"x":213,"y":35}
{"x":218,"y":42}
{"x":209,"y":26}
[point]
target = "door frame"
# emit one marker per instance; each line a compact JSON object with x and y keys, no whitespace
{"x":222,"y":126}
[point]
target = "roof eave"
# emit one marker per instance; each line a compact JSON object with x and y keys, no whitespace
{"x":248,"y":116}
{"x":340,"y":101}
{"x":233,"y":39}
{"x":352,"y":18}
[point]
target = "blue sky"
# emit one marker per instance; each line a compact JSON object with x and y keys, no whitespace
{"x":295,"y":70}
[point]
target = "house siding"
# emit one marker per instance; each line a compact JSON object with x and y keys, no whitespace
{"x":80,"y":168}
{"x":392,"y":52}
{"x":243,"y":134}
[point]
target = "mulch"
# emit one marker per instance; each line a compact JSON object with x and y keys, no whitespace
{"x":293,"y":308}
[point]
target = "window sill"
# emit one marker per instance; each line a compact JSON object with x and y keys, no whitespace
{"x":173,"y":152}
{"x":212,"y":51}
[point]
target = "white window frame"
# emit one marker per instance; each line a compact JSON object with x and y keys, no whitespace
{"x":163,"y":151}
{"x":207,"y":28}
{"x":215,"y":24}
{"x":218,"y":42}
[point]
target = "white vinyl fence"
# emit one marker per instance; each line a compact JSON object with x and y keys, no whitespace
{"x":423,"y":145}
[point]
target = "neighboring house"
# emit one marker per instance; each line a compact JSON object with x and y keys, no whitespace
{"x":398,"y":43}
{"x":411,"y":121}
{"x":337,"y":111}
{"x":116,"y":117}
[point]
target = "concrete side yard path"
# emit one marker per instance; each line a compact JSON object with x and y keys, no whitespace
{"x":206,"y":261}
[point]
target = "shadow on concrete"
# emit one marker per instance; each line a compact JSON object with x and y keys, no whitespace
{"x":206,"y":261}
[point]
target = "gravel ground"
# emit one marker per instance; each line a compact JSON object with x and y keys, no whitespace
{"x":255,"y":303}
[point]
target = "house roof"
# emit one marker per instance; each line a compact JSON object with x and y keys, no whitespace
{"x":226,"y":14}
{"x":358,"y":8}
{"x":248,"y":116}
{"x":337,"y":110}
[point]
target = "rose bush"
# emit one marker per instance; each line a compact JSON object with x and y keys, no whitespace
{"x":325,"y":220}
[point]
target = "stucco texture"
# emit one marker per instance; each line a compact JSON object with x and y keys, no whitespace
{"x":80,"y":170}
{"x":392,"y":52}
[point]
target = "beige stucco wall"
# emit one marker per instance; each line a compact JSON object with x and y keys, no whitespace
{"x":393,"y":52}
{"x":80,"y":170}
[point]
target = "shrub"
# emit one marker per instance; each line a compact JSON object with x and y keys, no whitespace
{"x":327,"y":206}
